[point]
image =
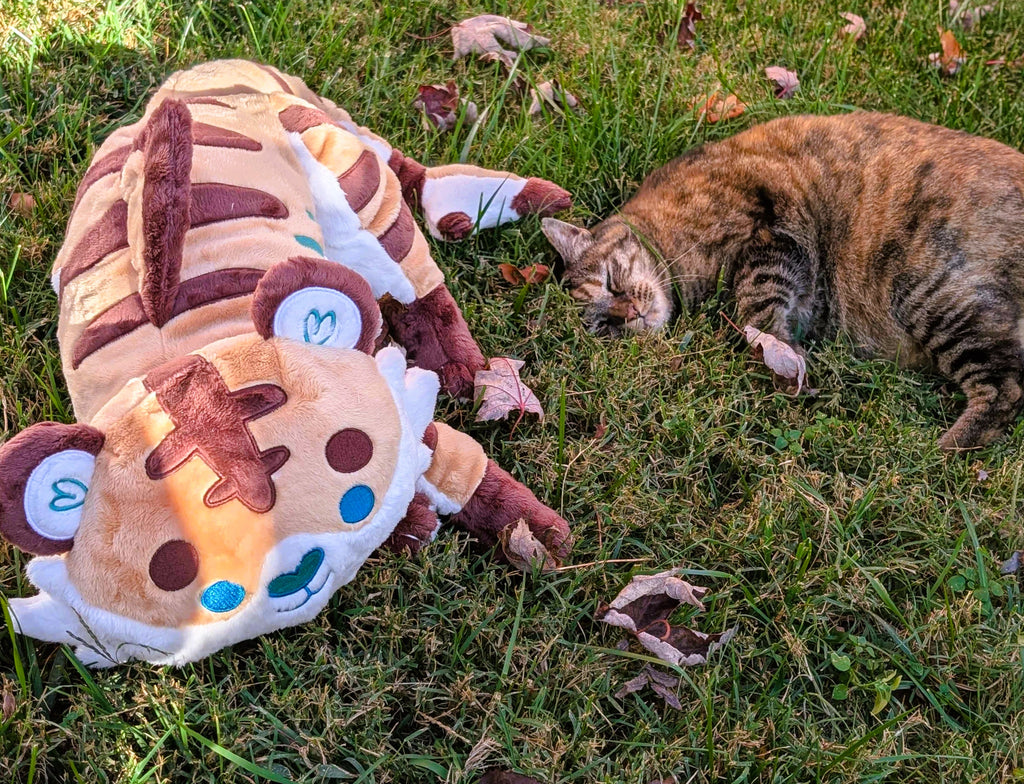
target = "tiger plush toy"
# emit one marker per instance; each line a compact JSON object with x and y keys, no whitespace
{"x":244,"y":442}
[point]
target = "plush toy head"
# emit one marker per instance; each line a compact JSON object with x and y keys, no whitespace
{"x":228,"y":492}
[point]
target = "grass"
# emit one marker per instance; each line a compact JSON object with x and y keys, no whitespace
{"x":877,"y":641}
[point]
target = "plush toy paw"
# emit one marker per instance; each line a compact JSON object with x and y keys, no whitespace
{"x":456,"y":380}
{"x":541,"y":197}
{"x":416,"y":529}
{"x":455,"y":226}
{"x":501,"y":501}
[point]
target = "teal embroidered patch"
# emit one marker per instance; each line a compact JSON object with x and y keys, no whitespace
{"x":297,"y":579}
{"x":68,"y":494}
{"x":318,"y":329}
{"x":309,"y":242}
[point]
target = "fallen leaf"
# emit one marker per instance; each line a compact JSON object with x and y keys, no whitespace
{"x":440,"y":105}
{"x":1012,"y":564}
{"x":21,"y":203}
{"x":500,"y":391}
{"x":982,"y":474}
{"x":949,"y":60}
{"x":688,"y":27}
{"x":551,"y":94}
{"x":495,"y":776}
{"x":534,"y":273}
{"x":524,"y":550}
{"x":789,"y":368}
{"x":662,"y":684}
{"x":716,"y":107}
{"x":8,"y":705}
{"x":482,"y":35}
{"x":786,"y":82}
{"x":965,"y":16}
{"x":856,"y":27}
{"x":643,"y":608}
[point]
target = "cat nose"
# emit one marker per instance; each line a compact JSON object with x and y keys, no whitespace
{"x":632,"y":311}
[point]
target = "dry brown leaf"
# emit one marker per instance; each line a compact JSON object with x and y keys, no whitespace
{"x":786,"y":82}
{"x":8,"y":705}
{"x":553,"y":95}
{"x":21,"y":203}
{"x":440,"y":105}
{"x":788,"y":367}
{"x":500,"y":391}
{"x":688,"y":27}
{"x":495,"y":776}
{"x":949,"y":60}
{"x":662,"y":684}
{"x":524,"y":550}
{"x":1012,"y":564}
{"x":517,"y":276}
{"x":856,"y":27}
{"x":484,"y":35}
{"x":643,"y":608}
{"x":716,"y":107}
{"x":966,"y":16}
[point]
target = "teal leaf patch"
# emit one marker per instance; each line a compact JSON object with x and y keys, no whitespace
{"x":68,"y":494}
{"x":309,"y":242}
{"x":319,"y":329}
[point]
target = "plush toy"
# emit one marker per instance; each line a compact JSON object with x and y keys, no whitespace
{"x":243,"y":444}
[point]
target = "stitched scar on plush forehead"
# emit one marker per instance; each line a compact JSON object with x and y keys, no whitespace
{"x":211,"y":421}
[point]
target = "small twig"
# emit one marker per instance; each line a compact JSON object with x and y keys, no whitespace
{"x":731,"y":323}
{"x":600,"y":563}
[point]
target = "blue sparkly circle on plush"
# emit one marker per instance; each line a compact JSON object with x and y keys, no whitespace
{"x":222,"y":596}
{"x":356,"y":504}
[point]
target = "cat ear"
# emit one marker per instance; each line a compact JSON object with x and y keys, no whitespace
{"x":570,"y":241}
{"x":45,"y":474}
{"x":319,"y":302}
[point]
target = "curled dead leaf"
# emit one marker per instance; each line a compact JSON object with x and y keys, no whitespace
{"x":524,"y":550}
{"x":21,"y":203}
{"x":495,"y":776}
{"x":517,"y":276}
{"x":553,"y":95}
{"x":786,"y":82}
{"x":949,"y":60}
{"x":440,"y":105}
{"x":643,"y":608}
{"x":688,"y":27}
{"x":661,"y":683}
{"x":500,"y":391}
{"x":716,"y":107}
{"x":485,"y":34}
{"x":856,"y":27}
{"x":788,"y":367}
{"x":8,"y":705}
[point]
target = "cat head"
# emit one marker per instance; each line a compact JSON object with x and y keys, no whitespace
{"x":227,"y":492}
{"x":623,"y":285}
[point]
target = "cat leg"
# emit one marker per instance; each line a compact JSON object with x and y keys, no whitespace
{"x":769,"y":288}
{"x":483,"y":498}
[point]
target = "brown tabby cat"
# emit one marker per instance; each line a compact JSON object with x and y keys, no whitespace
{"x":907,"y":237}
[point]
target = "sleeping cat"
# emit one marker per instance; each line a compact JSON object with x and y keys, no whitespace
{"x":907,"y":237}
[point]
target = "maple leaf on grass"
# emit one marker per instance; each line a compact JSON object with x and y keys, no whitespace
{"x":643,"y":609}
{"x":517,"y":276}
{"x":661,"y":683}
{"x":485,"y":34}
{"x":440,"y":105}
{"x":716,"y":107}
{"x":786,"y":82}
{"x":856,"y":27}
{"x":788,"y":367}
{"x":949,"y":60}
{"x":553,"y":95}
{"x":687,"y":36}
{"x":500,"y":391}
{"x":524,"y":550}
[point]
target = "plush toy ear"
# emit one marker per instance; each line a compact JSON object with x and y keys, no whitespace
{"x":570,"y":241}
{"x":45,"y":473}
{"x":319,"y":302}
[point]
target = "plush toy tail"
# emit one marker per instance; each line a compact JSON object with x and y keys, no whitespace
{"x":458,"y":200}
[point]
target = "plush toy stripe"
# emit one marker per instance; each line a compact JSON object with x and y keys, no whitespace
{"x":397,"y":240}
{"x":361,"y":182}
{"x":215,"y":201}
{"x":108,"y":164}
{"x":108,"y":234}
{"x":212,"y":136}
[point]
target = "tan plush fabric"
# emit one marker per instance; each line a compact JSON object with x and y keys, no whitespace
{"x":458,"y":465}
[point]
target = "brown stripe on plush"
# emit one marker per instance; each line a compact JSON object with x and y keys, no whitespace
{"x":301,"y":118}
{"x":215,"y":201}
{"x":108,"y":164}
{"x":127,"y":315}
{"x":211,"y":136}
{"x":165,"y":207}
{"x":397,"y":240}
{"x":113,"y":323}
{"x":411,"y":175}
{"x":361,"y":181}
{"x":277,"y":77}
{"x":207,"y":100}
{"x":108,"y":234}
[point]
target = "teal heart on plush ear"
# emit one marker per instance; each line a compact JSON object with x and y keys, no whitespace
{"x":68,"y":494}
{"x":319,"y":329}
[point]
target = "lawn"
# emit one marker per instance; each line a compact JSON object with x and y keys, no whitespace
{"x":876,"y":639}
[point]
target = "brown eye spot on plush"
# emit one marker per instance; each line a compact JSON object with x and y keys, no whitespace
{"x":211,"y":422}
{"x":349,"y":450}
{"x":174,"y":565}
